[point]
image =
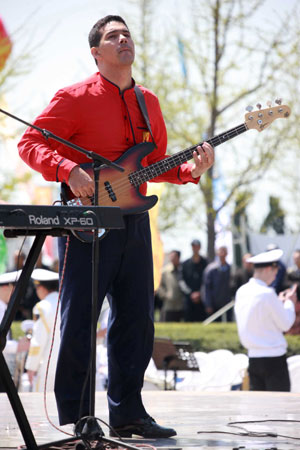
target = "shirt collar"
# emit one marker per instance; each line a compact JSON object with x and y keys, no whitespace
{"x":107,"y":84}
{"x":257,"y":281}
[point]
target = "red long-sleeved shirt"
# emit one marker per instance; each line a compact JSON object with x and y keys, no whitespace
{"x":95,"y":115}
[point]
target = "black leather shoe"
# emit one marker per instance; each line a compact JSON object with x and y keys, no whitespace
{"x":146,"y":428}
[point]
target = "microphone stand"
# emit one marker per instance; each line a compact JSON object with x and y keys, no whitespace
{"x":91,"y":429}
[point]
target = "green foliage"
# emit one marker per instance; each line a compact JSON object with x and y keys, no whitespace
{"x":204,"y":338}
{"x":3,"y":252}
{"x":10,"y":183}
{"x":207,"y":338}
{"x":16,"y":330}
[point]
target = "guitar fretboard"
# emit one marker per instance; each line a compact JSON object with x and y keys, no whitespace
{"x":160,"y":167}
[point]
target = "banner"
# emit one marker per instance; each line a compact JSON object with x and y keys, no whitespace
{"x":5,"y":45}
{"x":3,"y":253}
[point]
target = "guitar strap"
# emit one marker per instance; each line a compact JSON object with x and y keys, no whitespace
{"x":142,"y":104}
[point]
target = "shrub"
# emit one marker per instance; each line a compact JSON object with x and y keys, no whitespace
{"x":205,"y":338}
{"x":213,"y":336}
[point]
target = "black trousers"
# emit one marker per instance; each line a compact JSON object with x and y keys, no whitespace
{"x":126,"y":273}
{"x":193,"y":312}
{"x":269,"y":374}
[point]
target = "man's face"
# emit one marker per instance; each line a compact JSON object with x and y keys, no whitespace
{"x":196,"y":249}
{"x":174,"y":258}
{"x":6,"y":291}
{"x":222,"y":253}
{"x":297,"y":259}
{"x":116,"y":47}
{"x":246,"y":265}
{"x":273,"y":273}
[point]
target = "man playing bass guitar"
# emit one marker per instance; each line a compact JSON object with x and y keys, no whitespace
{"x":102,"y":114}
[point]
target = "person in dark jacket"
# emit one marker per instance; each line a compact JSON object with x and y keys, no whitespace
{"x":192,"y":276}
{"x":217,"y":284}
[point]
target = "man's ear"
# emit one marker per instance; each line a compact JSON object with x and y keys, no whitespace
{"x":95,"y":52}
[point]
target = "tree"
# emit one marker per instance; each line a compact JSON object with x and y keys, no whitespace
{"x":275,"y":217}
{"x":231,"y":57}
{"x":223,"y":47}
{"x":240,"y":225}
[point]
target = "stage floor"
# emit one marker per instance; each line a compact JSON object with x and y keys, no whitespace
{"x":188,"y":412}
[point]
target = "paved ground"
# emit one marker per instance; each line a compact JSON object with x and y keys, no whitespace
{"x":201,"y":420}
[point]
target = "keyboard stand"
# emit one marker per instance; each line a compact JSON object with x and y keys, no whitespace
{"x":5,"y":325}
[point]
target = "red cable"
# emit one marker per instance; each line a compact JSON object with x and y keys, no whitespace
{"x":52,"y":341}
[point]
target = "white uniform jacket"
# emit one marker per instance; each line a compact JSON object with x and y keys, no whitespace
{"x":262,"y":318}
{"x":41,"y":340}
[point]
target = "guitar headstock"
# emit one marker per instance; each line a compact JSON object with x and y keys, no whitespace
{"x":262,"y":118}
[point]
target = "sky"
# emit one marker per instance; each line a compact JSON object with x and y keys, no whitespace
{"x":58,"y":31}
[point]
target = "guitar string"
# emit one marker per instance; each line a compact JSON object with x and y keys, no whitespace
{"x":162,"y":166}
{"x":159,"y":167}
{"x":140,"y":176}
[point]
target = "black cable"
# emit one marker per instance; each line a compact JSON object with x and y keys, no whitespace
{"x":247,"y":433}
{"x":24,"y":239}
{"x":254,"y":433}
{"x":84,"y":419}
{"x":264,"y":420}
{"x":234,"y":424}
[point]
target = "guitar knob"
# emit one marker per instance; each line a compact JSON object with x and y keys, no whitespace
{"x":258,"y":106}
{"x":278,"y":101}
{"x":269,"y":104}
{"x":249,"y":108}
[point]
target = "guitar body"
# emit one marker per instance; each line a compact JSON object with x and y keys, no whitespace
{"x":116,"y":188}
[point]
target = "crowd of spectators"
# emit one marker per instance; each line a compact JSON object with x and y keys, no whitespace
{"x":194,"y":289}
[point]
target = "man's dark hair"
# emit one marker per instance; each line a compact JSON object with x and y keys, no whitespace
{"x":50,"y":285}
{"x":96,"y":32}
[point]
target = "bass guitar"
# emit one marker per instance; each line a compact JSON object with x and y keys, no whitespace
{"x":122,"y":188}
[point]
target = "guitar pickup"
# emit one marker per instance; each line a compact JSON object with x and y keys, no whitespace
{"x":110,"y":191}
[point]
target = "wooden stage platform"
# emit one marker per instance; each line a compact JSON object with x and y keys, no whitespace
{"x":188,"y":412}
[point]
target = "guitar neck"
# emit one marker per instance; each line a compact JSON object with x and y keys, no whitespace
{"x":160,"y":167}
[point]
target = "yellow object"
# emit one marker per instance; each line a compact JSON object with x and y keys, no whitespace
{"x":157,"y":245}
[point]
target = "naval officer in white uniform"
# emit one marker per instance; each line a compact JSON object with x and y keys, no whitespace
{"x":262,"y":317}
{"x":8,"y":281}
{"x":45,"y":311}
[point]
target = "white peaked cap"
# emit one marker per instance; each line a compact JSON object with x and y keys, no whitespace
{"x":10,"y":277}
{"x":44,"y":275}
{"x":266,"y":257}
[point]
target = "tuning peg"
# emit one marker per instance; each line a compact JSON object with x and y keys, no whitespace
{"x":269,"y":104}
{"x":278,"y":101}
{"x":258,"y":106}
{"x":249,"y":108}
